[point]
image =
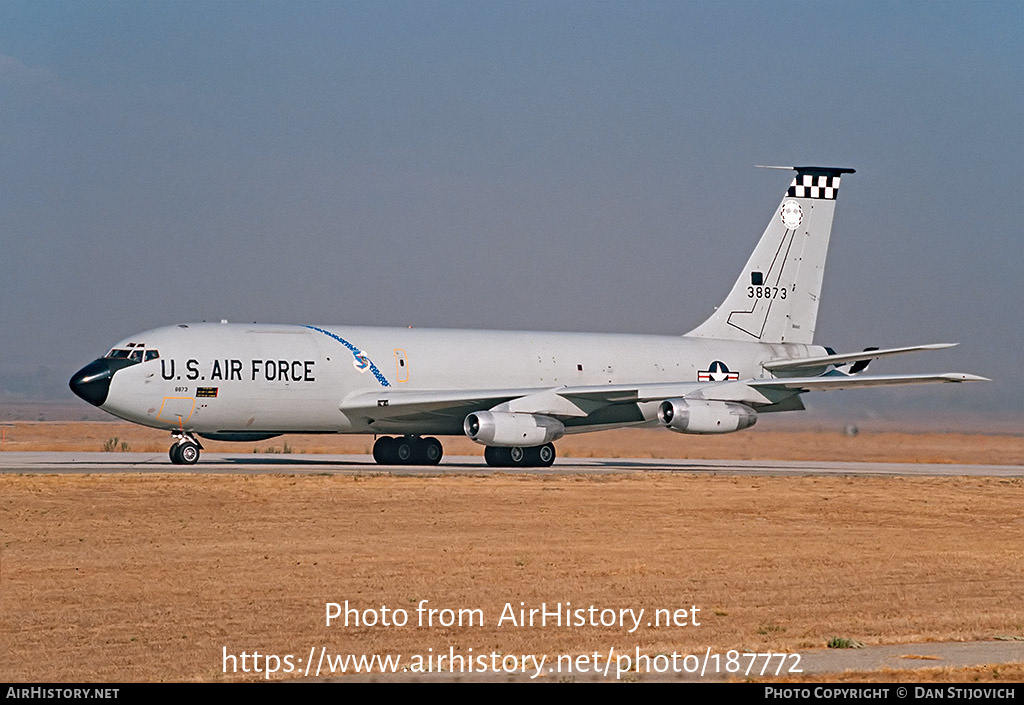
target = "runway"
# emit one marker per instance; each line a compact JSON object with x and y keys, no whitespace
{"x":255,"y":464}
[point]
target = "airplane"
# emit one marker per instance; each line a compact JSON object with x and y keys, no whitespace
{"x":513,"y":392}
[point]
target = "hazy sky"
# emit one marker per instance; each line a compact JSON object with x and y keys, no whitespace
{"x":548,"y":165}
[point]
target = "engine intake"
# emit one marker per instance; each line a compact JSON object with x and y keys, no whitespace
{"x":698,"y":416}
{"x":507,"y":429}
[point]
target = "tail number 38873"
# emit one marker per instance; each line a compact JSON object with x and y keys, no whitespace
{"x":766,"y":292}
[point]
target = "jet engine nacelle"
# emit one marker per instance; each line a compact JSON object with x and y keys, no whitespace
{"x":698,"y":416}
{"x":506,"y":429}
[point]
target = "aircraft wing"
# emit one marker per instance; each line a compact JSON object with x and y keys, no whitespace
{"x":844,"y":381}
{"x":753,"y":392}
{"x":565,"y":402}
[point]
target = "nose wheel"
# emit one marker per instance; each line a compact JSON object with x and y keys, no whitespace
{"x":185,"y":450}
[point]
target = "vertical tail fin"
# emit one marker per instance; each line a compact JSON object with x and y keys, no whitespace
{"x":775,"y":299}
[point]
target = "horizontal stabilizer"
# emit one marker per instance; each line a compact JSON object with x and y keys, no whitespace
{"x":789,"y":364}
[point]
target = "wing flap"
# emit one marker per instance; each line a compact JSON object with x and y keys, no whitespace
{"x":412,"y":405}
{"x":549,"y":403}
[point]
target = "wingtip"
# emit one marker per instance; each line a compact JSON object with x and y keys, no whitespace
{"x":964,"y":377}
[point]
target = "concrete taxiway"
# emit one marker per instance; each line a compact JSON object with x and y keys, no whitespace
{"x":811,"y":662}
{"x":240,"y":463}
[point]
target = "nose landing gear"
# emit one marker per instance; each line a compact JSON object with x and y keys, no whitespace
{"x":185,"y":450}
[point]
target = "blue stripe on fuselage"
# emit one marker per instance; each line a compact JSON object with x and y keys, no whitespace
{"x":356,"y":353}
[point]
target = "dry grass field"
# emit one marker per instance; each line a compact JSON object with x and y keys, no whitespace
{"x":145,"y":577}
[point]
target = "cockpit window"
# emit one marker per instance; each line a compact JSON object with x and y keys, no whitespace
{"x":133,"y":355}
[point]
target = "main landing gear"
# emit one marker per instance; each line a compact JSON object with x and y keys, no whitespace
{"x":407,"y":450}
{"x":518,"y":457}
{"x":185,"y":450}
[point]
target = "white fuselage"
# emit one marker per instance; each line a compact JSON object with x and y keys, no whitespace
{"x":248,"y":379}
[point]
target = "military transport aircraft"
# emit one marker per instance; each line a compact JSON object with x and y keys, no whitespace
{"x":512,"y":392}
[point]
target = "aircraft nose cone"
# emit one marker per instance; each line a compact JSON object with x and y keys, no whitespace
{"x":92,"y":382}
